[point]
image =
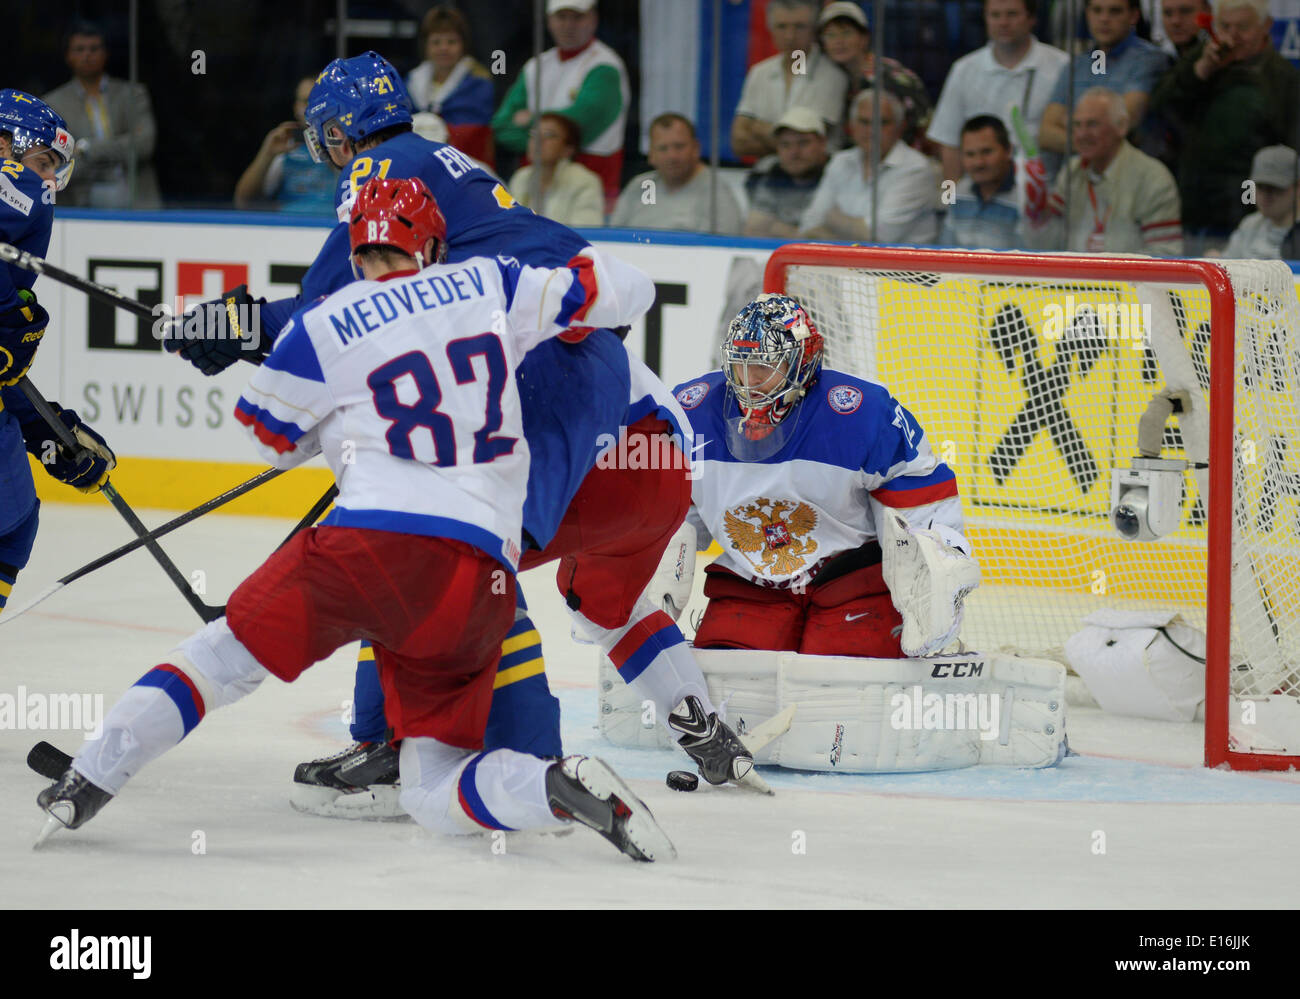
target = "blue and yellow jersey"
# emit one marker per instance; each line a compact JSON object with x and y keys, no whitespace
{"x":26,"y":218}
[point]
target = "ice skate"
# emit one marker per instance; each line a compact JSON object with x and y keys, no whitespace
{"x":585,"y":789}
{"x":360,"y":782}
{"x":70,"y":802}
{"x":715,"y":748}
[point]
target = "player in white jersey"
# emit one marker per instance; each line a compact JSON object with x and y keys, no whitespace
{"x":405,"y":381}
{"x":833,"y":513}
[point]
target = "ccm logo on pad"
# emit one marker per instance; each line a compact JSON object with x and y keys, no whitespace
{"x":973,"y":668}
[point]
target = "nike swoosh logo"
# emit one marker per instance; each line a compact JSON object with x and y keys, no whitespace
{"x":854,"y":617}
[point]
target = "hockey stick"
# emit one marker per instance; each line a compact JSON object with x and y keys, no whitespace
{"x":140,"y":542}
{"x":205,"y":611}
{"x":312,"y":515}
{"x":22,"y":259}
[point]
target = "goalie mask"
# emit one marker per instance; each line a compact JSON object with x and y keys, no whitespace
{"x":771,"y":357}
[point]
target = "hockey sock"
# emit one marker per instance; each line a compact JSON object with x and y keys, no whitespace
{"x":651,"y":654}
{"x":8,"y":576}
{"x":525,"y":716}
{"x":368,"y":721}
{"x":458,"y":792}
{"x":209,"y":669}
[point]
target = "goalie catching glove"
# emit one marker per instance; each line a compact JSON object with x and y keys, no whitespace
{"x":929,"y":572}
{"x":214,"y":335}
{"x":86,"y":469}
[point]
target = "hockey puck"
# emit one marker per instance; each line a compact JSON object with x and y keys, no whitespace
{"x":680,"y":780}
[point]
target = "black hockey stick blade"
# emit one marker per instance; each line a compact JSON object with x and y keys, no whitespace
{"x":49,"y":761}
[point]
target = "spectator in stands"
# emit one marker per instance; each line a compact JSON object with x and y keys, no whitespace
{"x":1271,"y":232}
{"x":283,"y":176}
{"x":905,"y":186}
{"x":112,"y":121}
{"x":582,"y":78}
{"x":845,"y":34}
{"x":452,"y":84}
{"x":1178,"y":23}
{"x":567,"y":192}
{"x":781,"y":186}
{"x":1115,"y":197}
{"x":1117,"y":59}
{"x":1164,"y":132}
{"x":800,"y":75}
{"x":1232,"y":97}
{"x":986,"y":211}
{"x":677,"y":193}
{"x":1014,"y":70}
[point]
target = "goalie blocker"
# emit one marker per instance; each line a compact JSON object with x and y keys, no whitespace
{"x":856,"y":715}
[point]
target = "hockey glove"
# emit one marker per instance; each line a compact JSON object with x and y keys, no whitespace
{"x":21,"y":331}
{"x":214,"y":335}
{"x":929,"y":572}
{"x":86,"y":469}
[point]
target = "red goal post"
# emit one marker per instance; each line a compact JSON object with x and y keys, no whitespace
{"x":932,"y":325}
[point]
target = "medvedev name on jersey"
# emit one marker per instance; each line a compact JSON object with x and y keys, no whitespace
{"x":358,"y":318}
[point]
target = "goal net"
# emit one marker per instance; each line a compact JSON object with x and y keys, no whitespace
{"x":1029,"y":374}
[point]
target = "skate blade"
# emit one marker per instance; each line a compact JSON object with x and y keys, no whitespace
{"x":641,"y":828}
{"x":379,"y":803}
{"x":52,"y":825}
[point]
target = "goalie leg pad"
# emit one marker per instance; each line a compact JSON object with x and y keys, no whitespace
{"x":895,"y":715}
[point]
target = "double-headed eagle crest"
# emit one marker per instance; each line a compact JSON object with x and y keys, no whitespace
{"x":763,"y":527}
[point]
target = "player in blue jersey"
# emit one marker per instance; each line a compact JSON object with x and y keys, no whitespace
{"x":859,"y":553}
{"x":35,"y":162}
{"x":359,"y":118}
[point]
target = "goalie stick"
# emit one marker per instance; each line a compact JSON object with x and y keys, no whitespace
{"x":205,"y":611}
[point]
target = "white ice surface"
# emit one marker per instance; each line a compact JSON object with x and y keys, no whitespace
{"x":1175,"y":835}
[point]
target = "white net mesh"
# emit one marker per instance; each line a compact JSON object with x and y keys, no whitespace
{"x":1031,"y":390}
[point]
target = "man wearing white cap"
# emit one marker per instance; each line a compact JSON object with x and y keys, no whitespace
{"x":581,"y":78}
{"x":781,"y":186}
{"x":1271,"y":232}
{"x":800,"y":75}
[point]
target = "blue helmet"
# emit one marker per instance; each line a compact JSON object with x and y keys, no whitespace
{"x":31,"y":122}
{"x":354,"y":98}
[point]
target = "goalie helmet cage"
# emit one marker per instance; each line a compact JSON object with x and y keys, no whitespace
{"x":1029,"y":373}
